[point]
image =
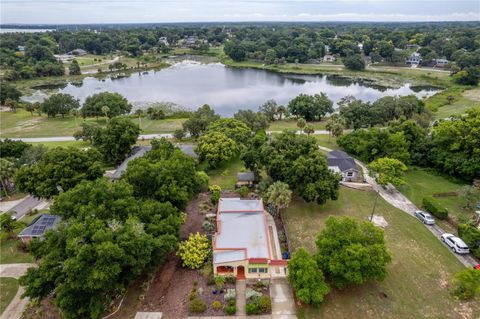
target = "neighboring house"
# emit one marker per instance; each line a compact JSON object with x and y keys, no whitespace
{"x":414,"y":58}
{"x":329,"y":58}
{"x":327,"y":49}
{"x":139,"y":151}
{"x":21,"y":48}
{"x":440,"y":63}
{"x":245,"y":179}
{"x":242,"y":243}
{"x":38,"y":227}
{"x":360,"y":46}
{"x":163,"y":40}
{"x":77,"y":52}
{"x":342,"y":163}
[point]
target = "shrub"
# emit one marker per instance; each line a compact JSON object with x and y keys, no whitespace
{"x":216,"y":305}
{"x":471,"y":236}
{"x":215,"y":190}
{"x":197,"y":306}
{"x":219,"y":282}
{"x":431,"y":205}
{"x":193,"y":294}
{"x":252,"y":294}
{"x":230,"y":279}
{"x":231,"y":308}
{"x":264,"y":304}
{"x":259,"y":284}
{"x":231,"y":294}
{"x":179,"y":134}
{"x":194,"y":251}
{"x":243,"y":191}
{"x":210,"y":280}
{"x":466,"y":283}
{"x":207,"y":226}
{"x":252,"y":308}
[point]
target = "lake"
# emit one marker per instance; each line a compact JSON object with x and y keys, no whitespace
{"x":227,"y":90}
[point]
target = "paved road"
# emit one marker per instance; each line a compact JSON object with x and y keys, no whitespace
{"x":398,"y":200}
{"x":25,"y":206}
{"x":15,"y":308}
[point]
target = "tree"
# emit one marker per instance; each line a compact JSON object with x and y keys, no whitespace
{"x":455,"y":145}
{"x":281,"y":111}
{"x":165,"y":174}
{"x":296,"y":160}
{"x":194,"y":251}
{"x":354,"y":62}
{"x":301,"y":123}
{"x":88,"y":132}
{"x":387,"y":171}
{"x":139,"y":113}
{"x":270,"y":109}
{"x":335,"y":125}
{"x":59,"y":103}
{"x":108,"y":239}
{"x":232,"y":128}
{"x":351,"y":252}
{"x":115,"y":141}
{"x":7,"y":171}
{"x":9,"y":91}
{"x":308,"y":129}
{"x":279,"y":195}
{"x":256,"y":121}
{"x":215,"y":148}
{"x":32,"y":155}
{"x":469,"y":76}
{"x":306,"y":279}
{"x":11,"y":148}
{"x":116,"y":104}
{"x":74,"y":68}
{"x":270,"y":56}
{"x":59,"y":169}
{"x":310,"y":107}
{"x":466,"y":284}
{"x":198,"y":122}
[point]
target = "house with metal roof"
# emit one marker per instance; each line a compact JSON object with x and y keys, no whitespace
{"x":38,"y":227}
{"x":342,"y":163}
{"x":242,"y":246}
{"x":245,"y":179}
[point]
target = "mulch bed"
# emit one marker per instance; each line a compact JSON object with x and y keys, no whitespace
{"x":205,"y":293}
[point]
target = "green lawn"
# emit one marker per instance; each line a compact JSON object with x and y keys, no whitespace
{"x":11,"y":254}
{"x":23,"y":124}
{"x":8,"y":290}
{"x":421,"y":183}
{"x":292,"y":125}
{"x":79,"y":144}
{"x":326,"y":141}
{"x":226,"y":174}
{"x":418,"y":281}
{"x":463,"y":101}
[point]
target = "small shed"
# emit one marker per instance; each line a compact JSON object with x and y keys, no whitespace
{"x":38,"y":227}
{"x":245,"y":179}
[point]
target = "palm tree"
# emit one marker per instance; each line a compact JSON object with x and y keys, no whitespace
{"x":7,"y":171}
{"x":75,"y":113}
{"x":279,"y":195}
{"x":105,"y":110}
{"x":139,"y":113}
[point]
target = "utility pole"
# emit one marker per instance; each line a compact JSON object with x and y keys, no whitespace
{"x":374,"y":205}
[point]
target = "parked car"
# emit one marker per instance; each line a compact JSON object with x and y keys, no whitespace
{"x":456,"y":244}
{"x":425,"y":218}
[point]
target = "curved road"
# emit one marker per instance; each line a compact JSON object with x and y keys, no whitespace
{"x":398,"y":200}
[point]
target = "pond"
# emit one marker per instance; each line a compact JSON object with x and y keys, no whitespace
{"x":227,"y":90}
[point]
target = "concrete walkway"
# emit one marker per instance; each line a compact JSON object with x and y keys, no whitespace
{"x":283,"y":303}
{"x":241,"y":301}
{"x":15,"y":309}
{"x":398,"y":200}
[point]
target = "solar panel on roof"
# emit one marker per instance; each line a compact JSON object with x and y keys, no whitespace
{"x":38,"y":230}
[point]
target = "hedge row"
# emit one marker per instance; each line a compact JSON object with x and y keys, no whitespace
{"x":431,"y":205}
{"x":471,"y":236}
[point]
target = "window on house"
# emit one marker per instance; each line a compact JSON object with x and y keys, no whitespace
{"x":263,"y":270}
{"x":349,"y":174}
{"x":253,"y":270}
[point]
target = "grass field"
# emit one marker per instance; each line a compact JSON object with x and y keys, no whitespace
{"x":23,"y":124}
{"x":292,"y":125}
{"x":417,"y":285}
{"x":8,"y":290}
{"x":10,"y":254}
{"x":463,"y":101}
{"x":326,"y":141}
{"x":421,"y":183}
{"x":226,"y":174}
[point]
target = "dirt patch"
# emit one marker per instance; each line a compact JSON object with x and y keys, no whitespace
{"x":472,"y":94}
{"x":22,"y":126}
{"x":44,"y":309}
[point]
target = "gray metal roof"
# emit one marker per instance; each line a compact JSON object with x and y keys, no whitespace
{"x":188,"y":149}
{"x":341,"y":160}
{"x":246,"y":177}
{"x":224,"y":256}
{"x":241,"y":226}
{"x":137,"y":151}
{"x":40,"y":225}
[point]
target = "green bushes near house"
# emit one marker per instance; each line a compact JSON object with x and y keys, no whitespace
{"x":259,"y":305}
{"x":197,"y":306}
{"x":231,"y":307}
{"x":431,"y":205}
{"x":471,"y":236}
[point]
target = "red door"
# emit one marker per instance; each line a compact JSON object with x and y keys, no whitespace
{"x":240,"y":272}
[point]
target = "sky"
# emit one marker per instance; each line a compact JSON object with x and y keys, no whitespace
{"x":148,"y":11}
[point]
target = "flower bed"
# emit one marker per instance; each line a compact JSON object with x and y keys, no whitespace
{"x":258,"y":298}
{"x":213,"y":296}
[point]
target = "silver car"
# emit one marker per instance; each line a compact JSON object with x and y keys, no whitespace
{"x":425,"y":218}
{"x":456,"y":244}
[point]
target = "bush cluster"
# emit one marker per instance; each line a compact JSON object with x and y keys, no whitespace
{"x":231,"y":307}
{"x":431,"y":205}
{"x":259,"y":305}
{"x":197,"y":306}
{"x":471,"y":236}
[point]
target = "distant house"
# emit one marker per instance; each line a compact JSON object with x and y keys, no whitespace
{"x":327,"y":49}
{"x":440,"y":63}
{"x":413,"y":46}
{"x":329,"y":58}
{"x":77,"y":52}
{"x":21,"y":48}
{"x":245,"y":179}
{"x":414,"y":58}
{"x":139,"y":151}
{"x":242,"y":245}
{"x":163,"y":40}
{"x":342,"y":163}
{"x":38,"y":227}
{"x":360,"y":46}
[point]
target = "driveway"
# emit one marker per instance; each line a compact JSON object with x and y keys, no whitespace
{"x":283,"y":303}
{"x":398,"y":200}
{"x":15,"y":308}
{"x":25,"y":206}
